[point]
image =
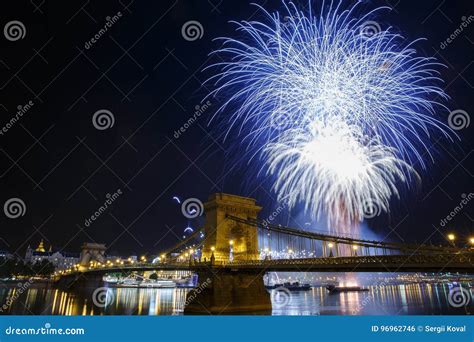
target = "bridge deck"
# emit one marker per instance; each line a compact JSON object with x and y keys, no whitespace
{"x":390,"y":263}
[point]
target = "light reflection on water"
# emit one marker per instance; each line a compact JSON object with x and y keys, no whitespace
{"x":407,"y":299}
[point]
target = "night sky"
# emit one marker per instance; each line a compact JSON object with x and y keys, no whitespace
{"x":150,"y":78}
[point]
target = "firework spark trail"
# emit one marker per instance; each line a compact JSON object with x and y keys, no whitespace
{"x":334,"y":88}
{"x":355,"y":170}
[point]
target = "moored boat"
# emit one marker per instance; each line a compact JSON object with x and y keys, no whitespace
{"x":338,"y":289}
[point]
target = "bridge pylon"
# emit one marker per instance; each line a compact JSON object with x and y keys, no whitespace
{"x":222,"y":291}
{"x":224,"y":237}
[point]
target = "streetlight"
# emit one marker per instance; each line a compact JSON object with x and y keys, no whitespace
{"x":330,"y":245}
{"x":213,"y":248}
{"x":471,"y":240}
{"x":451,"y":237}
{"x":231,"y":242}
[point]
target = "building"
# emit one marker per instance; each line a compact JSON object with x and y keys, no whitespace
{"x":60,"y":259}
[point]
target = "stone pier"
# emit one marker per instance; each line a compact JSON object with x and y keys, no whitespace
{"x":228,"y":292}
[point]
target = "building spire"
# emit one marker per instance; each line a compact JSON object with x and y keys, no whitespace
{"x":40,"y":247}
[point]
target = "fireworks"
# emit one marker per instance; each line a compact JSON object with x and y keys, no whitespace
{"x":334,"y":169}
{"x":340,"y":114}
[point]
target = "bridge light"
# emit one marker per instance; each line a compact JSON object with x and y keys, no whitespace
{"x":451,"y":237}
{"x":354,"y":247}
{"x":330,"y":245}
{"x":290,"y":251}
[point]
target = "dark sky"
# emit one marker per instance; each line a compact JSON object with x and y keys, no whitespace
{"x":150,"y":78}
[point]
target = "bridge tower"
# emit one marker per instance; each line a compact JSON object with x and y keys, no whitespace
{"x":92,"y":252}
{"x":228,"y":291}
{"x":223,"y":235}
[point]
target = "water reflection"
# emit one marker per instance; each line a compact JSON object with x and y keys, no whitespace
{"x":410,"y":299}
{"x":380,"y":300}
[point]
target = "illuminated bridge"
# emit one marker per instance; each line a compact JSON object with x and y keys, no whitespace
{"x":230,"y":265}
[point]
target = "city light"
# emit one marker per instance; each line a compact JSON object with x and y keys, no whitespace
{"x":471,"y":240}
{"x":451,"y":237}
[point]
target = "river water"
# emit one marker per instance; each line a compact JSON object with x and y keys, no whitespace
{"x":408,"y":299}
